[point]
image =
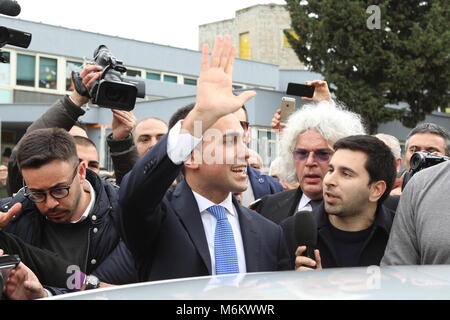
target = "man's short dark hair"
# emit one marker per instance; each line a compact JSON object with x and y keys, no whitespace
{"x":40,"y":147}
{"x":380,"y":162}
{"x":180,"y":114}
{"x":434,"y":129}
{"x":84,"y":142}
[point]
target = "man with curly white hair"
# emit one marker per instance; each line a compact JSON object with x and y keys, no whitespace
{"x":305,"y":150}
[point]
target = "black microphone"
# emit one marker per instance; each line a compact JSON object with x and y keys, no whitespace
{"x":9,"y":8}
{"x":305,"y":229}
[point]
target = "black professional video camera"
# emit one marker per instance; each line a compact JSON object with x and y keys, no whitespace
{"x":11,"y":36}
{"x":422,"y":160}
{"x":112,"y":90}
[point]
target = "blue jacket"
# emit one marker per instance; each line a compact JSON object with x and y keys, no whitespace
{"x":262,"y":184}
{"x":107,"y":256}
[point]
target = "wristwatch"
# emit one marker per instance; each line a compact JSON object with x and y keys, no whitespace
{"x":91,"y":282}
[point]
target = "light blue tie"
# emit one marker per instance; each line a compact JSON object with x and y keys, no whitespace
{"x":224,"y":246}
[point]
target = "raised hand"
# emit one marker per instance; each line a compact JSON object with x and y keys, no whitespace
{"x":276,"y":121}
{"x":215,"y":97}
{"x":123,"y":123}
{"x":89,"y":74}
{"x":321,"y":92}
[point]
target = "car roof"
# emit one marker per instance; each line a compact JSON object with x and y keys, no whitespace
{"x":367,"y":283}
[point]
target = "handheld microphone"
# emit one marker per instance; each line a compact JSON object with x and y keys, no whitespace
{"x":305,"y":229}
{"x":9,"y":8}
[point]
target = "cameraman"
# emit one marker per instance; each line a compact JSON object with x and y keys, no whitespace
{"x":64,"y":114}
{"x":427,"y":137}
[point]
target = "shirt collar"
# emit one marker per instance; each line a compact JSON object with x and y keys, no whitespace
{"x":204,"y":204}
{"x":89,"y":207}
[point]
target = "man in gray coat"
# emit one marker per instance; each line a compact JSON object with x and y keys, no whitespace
{"x":419,"y":234}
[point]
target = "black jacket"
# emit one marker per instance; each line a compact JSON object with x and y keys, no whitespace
{"x":279,"y":206}
{"x":262,"y":184}
{"x":373,"y":249}
{"x":106,"y":250}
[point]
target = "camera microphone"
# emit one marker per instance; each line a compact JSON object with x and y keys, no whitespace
{"x":9,"y":8}
{"x":305,"y":229}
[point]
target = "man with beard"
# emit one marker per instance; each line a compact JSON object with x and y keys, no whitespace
{"x":353,"y":225}
{"x":305,"y":151}
{"x":67,"y":209}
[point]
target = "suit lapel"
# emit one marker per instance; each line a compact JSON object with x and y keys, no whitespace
{"x":186,"y":208}
{"x":250,"y":238}
{"x":259,"y":187}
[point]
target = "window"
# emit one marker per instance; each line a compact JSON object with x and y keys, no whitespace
{"x":134,"y":73}
{"x":168,"y":78}
{"x":5,"y":69}
{"x":285,"y":39}
{"x":71,"y":66}
{"x":5,"y":96}
{"x":153,"y":76}
{"x":191,"y":82}
{"x":47,"y":73}
{"x":244,"y":45}
{"x":26,"y":69}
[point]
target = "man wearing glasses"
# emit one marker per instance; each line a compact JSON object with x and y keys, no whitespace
{"x":305,"y":150}
{"x":69,"y":210}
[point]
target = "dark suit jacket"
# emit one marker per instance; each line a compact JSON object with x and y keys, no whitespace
{"x":164,"y":230}
{"x":277,"y":207}
{"x":262,"y":184}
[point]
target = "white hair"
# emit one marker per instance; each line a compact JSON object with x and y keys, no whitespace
{"x":329,"y":119}
{"x":392,"y":142}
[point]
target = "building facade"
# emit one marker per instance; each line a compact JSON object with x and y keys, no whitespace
{"x":259,"y":33}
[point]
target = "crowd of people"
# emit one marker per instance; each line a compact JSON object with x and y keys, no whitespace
{"x":190,"y":200}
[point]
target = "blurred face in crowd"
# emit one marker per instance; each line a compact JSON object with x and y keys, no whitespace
{"x":254,"y":160}
{"x":312,"y":154}
{"x":89,"y":156}
{"x":425,"y":142}
{"x":55,"y":178}
{"x":148,"y":133}
{"x":223,"y":167}
{"x":347,"y":191}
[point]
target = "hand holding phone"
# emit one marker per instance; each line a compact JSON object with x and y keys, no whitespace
{"x":7,"y":263}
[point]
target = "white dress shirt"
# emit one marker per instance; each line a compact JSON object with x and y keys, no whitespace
{"x":209,"y":225}
{"x":304,"y":204}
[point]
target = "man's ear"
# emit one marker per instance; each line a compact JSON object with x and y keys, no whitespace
{"x":190,"y":163}
{"x":377,"y":190}
{"x":82,"y":167}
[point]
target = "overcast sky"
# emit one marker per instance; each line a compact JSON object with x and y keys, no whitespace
{"x":167,"y":22}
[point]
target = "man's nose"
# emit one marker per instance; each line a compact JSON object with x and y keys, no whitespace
{"x":310,"y":160}
{"x":50,"y":202}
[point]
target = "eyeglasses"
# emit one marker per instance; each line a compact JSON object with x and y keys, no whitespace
{"x":56,"y":193}
{"x":318,"y":155}
{"x":245,"y":125}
